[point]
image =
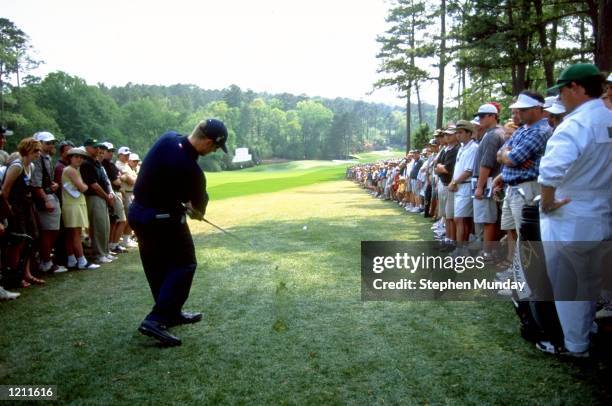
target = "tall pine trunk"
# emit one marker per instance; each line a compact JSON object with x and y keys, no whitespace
{"x":419,"y":104}
{"x":440,"y":111}
{"x":408,"y":117}
{"x":603,"y":38}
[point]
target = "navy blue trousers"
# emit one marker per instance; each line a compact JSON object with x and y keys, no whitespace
{"x":168,"y":258}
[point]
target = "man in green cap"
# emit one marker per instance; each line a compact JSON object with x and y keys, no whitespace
{"x":576,"y":210}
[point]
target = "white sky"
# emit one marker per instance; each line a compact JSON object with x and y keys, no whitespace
{"x":317,"y":47}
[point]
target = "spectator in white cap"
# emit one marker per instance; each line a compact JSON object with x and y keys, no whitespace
{"x":520,"y":157}
{"x":46,"y":201}
{"x":486,"y":168}
{"x":74,"y":211}
{"x":128,"y":178}
{"x":134,"y":162}
{"x":556,"y":112}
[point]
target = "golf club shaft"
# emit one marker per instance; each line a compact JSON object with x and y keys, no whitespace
{"x":228,"y":233}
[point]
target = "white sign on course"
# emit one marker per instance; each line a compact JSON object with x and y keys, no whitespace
{"x":242,"y":155}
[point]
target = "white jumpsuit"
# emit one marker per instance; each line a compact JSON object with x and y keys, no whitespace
{"x":578,"y":163}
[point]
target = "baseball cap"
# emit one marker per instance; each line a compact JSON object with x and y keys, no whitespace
{"x":124,"y":151}
{"x":107,"y":145}
{"x":433,"y":142}
{"x":466,"y":125}
{"x":133,"y":157}
{"x":475,"y":120}
{"x":44,"y":136}
{"x":5,"y":131}
{"x":525,"y":102}
{"x":572,"y":73}
{"x":216,"y":131}
{"x":487,"y":108}
{"x":91,"y":142}
{"x":609,"y":80}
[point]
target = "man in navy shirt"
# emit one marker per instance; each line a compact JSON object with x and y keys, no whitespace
{"x":169,"y":179}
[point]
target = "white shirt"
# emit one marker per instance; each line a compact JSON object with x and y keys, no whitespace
{"x":465,"y":159}
{"x":578,"y":163}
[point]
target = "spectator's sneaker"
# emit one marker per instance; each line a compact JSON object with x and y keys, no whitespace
{"x":550,"y":348}
{"x":504,"y":292}
{"x":6,"y":295}
{"x":119,"y":249}
{"x":88,"y":266}
{"x":504,"y":275}
{"x":604,"y":313}
{"x":46,"y":267}
{"x":103,"y":259}
{"x":130,"y":244}
{"x":59,"y":269}
{"x":487,"y":257}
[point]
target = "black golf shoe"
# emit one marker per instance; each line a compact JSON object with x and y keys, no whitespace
{"x":186,"y":318}
{"x":159,"y":332}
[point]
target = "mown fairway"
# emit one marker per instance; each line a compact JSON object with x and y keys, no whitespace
{"x":284,"y":322}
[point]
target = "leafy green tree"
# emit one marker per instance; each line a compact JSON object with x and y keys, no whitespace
{"x":144,"y":121}
{"x":315,"y":120}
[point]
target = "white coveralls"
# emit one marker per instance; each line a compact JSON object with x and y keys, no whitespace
{"x":578,"y":163}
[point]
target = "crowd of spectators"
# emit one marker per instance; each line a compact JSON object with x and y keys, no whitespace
{"x":475,"y":176}
{"x":62,"y":208}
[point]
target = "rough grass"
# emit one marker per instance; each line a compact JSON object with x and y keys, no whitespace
{"x":283,"y":324}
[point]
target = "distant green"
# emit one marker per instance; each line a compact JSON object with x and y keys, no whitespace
{"x":282,"y":176}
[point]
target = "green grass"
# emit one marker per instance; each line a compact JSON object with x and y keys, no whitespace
{"x":281,"y":176}
{"x":283,"y":324}
{"x":230,"y":184}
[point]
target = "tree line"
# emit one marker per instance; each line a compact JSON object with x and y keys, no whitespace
{"x":283,"y":126}
{"x":493,"y":48}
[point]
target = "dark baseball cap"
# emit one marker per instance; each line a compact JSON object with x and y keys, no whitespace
{"x":91,"y":142}
{"x":216,"y":131}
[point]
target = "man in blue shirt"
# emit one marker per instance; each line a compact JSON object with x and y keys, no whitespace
{"x":520,"y":157}
{"x":170,"y":179}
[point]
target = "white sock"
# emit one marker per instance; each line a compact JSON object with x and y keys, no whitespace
{"x":45,"y":266}
{"x":82,"y":261}
{"x":72,"y":261}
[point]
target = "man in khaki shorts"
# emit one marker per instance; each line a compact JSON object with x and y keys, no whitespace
{"x":520,"y":157}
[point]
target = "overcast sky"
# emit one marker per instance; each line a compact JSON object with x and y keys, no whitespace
{"x":317,"y":47}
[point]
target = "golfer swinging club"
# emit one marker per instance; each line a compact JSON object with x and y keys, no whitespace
{"x":170,"y":178}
